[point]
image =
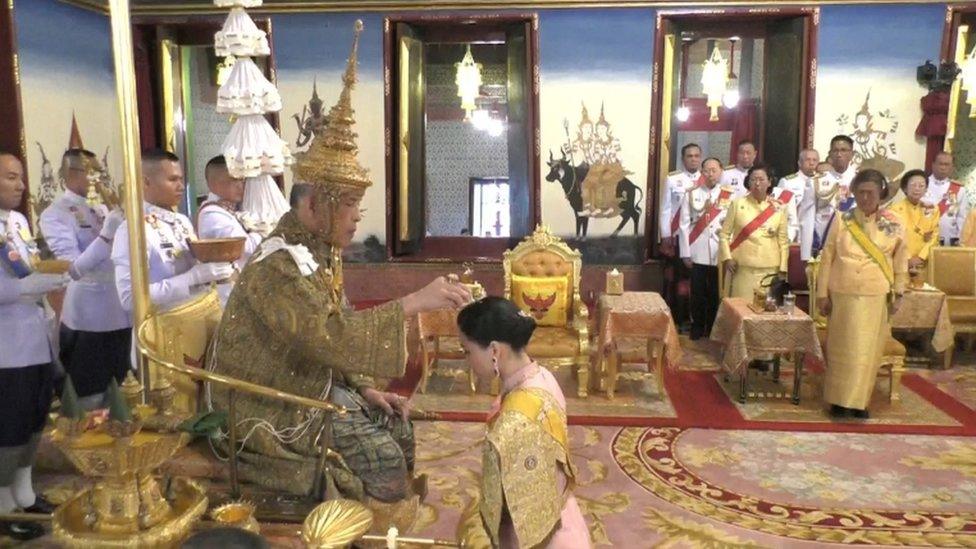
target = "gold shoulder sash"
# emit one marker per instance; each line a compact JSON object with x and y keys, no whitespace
{"x":869,"y":247}
{"x":540,"y":406}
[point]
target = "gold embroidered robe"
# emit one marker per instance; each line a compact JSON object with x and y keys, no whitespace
{"x":296,"y":333}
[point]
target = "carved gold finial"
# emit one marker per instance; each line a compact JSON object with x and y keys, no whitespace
{"x":132,"y":390}
{"x":331,"y":160}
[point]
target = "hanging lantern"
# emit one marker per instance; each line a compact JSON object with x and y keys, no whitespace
{"x":715,"y":78}
{"x":468,"y":81}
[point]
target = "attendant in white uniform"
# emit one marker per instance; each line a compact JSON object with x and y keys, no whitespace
{"x":703,"y":210}
{"x":220,"y":215}
{"x":676,"y":185}
{"x":831,"y":194}
{"x":174,"y":276}
{"x":798,"y":184}
{"x":27,"y":354}
{"x":949,"y":196}
{"x":735,"y":175}
{"x":96,"y":334}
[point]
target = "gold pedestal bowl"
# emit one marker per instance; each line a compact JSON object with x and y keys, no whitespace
{"x":126,"y":506}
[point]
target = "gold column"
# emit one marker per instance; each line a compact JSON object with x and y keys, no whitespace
{"x":955,"y":94}
{"x":125,"y":92}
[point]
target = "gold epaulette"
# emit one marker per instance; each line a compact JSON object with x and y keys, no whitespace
{"x":675,"y":172}
{"x":729,"y":167}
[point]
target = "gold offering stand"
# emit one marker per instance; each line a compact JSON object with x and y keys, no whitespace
{"x":126,"y":506}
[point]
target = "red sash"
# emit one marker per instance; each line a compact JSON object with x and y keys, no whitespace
{"x":752,"y":226}
{"x":952,"y":191}
{"x":705,"y":220}
{"x":676,"y":218}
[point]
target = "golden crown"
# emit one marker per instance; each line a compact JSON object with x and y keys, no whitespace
{"x":331,"y":160}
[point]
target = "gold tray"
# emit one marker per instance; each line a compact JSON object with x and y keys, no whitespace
{"x":188,"y":504}
{"x":763,"y":311}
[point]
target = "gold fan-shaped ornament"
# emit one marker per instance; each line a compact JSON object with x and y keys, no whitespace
{"x":336,"y":523}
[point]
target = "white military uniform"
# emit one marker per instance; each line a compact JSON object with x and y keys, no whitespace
{"x":831,"y":193}
{"x":797,"y":184}
{"x":734,"y":176}
{"x":956,"y":206}
{"x":169,"y":255}
{"x":71,"y":227}
{"x":26,"y":326}
{"x":216,"y":220}
{"x":698,"y":202}
{"x":676,"y":185}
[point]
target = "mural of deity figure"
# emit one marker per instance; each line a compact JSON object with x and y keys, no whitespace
{"x":873,"y":135}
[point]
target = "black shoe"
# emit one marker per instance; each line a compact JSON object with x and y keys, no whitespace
{"x":838,"y":411}
{"x":41,"y":506}
{"x":21,"y":531}
{"x":695,"y":336}
{"x":860,"y":414}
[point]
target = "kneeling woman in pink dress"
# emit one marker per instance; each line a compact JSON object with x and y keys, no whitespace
{"x":527,"y":476}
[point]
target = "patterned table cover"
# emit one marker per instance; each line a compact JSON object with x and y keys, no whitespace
{"x":745,"y":333}
{"x":926,"y":309}
{"x":642,"y":314}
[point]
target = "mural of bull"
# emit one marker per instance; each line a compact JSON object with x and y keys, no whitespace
{"x":572,"y":177}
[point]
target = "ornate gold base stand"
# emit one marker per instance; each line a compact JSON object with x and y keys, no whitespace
{"x":75,"y":523}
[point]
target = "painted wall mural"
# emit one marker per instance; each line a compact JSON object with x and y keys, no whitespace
{"x":601,"y":59}
{"x":65,"y":70}
{"x":310,"y":56}
{"x":593,"y":178}
{"x":866,"y":84}
{"x":598,"y":57}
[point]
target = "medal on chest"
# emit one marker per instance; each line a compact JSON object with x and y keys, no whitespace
{"x":171,"y":233}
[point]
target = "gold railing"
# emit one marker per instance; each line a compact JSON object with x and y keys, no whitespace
{"x":234,"y":386}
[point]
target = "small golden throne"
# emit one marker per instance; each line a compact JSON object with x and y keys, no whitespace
{"x":542,"y":255}
{"x":953,"y":271}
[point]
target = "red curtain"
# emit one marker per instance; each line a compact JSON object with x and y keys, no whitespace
{"x":743,"y":125}
{"x":142,"y":51}
{"x":933,"y":125}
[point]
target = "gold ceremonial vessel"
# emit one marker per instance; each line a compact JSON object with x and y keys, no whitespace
{"x":217,"y":250}
{"x":126,"y":506}
{"x":615,"y":282}
{"x":238,"y":514}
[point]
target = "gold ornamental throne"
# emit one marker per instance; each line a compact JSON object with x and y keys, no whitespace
{"x":544,"y":256}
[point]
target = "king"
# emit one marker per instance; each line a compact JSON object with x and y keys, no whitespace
{"x":288,"y":326}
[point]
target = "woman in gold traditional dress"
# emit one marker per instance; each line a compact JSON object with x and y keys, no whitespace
{"x":863,"y":272}
{"x":920,"y":220}
{"x":753,"y":242}
{"x":527,"y":477}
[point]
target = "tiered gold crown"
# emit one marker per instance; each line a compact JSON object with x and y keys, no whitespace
{"x":330,"y":161}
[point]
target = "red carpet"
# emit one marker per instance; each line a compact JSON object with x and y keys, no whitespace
{"x":701,"y":402}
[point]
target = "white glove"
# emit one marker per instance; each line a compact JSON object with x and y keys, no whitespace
{"x":37,"y":284}
{"x":111,"y":224}
{"x":202,"y":273}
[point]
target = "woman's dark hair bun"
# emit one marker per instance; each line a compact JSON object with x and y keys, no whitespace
{"x":496,"y":319}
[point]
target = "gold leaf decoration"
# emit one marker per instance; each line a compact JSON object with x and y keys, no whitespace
{"x":336,"y":523}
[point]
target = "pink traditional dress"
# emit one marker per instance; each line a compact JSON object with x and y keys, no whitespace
{"x":527,"y":476}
